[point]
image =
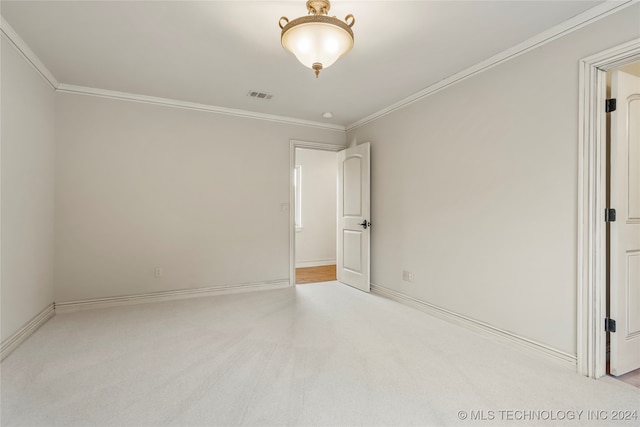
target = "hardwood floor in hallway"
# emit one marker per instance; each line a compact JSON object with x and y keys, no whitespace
{"x":632,"y":378}
{"x":323,"y":273}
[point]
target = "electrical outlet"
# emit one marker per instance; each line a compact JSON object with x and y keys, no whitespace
{"x":407,"y":276}
{"x":157,"y":272}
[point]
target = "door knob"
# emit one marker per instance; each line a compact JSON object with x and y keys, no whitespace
{"x":365,"y":224}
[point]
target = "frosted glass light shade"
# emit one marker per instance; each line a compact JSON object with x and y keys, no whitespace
{"x":317,"y":42}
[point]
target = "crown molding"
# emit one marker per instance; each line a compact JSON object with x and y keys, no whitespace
{"x":16,"y":41}
{"x":124,"y":96}
{"x":588,"y":17}
{"x":592,"y":15}
{"x":32,"y":59}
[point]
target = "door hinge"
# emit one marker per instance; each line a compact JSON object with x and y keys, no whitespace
{"x":609,"y":325}
{"x":609,"y":215}
{"x":610,"y":105}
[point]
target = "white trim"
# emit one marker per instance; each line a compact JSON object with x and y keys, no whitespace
{"x":592,"y":158}
{"x":530,"y":346}
{"x":316,"y":145}
{"x":293,"y":144}
{"x":25,"y":332}
{"x":297,"y":206}
{"x":69,"y":306}
{"x":124,"y":96}
{"x":317,"y":263}
{"x":16,"y":41}
{"x":592,"y":15}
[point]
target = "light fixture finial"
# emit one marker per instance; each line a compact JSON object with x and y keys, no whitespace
{"x":317,"y":67}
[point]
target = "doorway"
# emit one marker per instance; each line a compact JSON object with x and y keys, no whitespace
{"x":592,"y":201}
{"x":315,"y":185}
{"x":312,"y":236}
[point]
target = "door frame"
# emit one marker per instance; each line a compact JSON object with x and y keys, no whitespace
{"x":592,"y":192}
{"x":293,"y":144}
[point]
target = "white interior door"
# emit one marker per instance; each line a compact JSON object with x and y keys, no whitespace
{"x":625,"y":230}
{"x":354,"y":211}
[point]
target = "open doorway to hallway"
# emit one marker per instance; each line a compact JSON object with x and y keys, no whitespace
{"x":315,"y":184}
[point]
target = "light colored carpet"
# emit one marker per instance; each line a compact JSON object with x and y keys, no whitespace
{"x":321,"y":354}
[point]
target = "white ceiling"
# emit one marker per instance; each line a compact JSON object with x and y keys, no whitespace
{"x":214,"y":52}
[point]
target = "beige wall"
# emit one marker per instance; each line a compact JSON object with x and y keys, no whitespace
{"x":316,"y":241}
{"x":197,"y":194}
{"x":474,"y":190}
{"x":27,"y":192}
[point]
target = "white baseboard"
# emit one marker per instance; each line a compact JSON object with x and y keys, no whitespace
{"x":318,"y":263}
{"x":23,"y":333}
{"x":69,"y":306}
{"x":532,"y":347}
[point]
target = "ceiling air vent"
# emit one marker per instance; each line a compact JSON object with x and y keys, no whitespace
{"x":259,"y":95}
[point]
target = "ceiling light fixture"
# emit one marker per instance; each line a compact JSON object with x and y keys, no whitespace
{"x":317,"y":40}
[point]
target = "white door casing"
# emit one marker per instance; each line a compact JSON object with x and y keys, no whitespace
{"x":592,"y":199}
{"x":354,"y":215}
{"x":625,"y":230}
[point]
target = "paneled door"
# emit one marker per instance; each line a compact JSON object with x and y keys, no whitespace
{"x":354,"y":210}
{"x":625,"y":230}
